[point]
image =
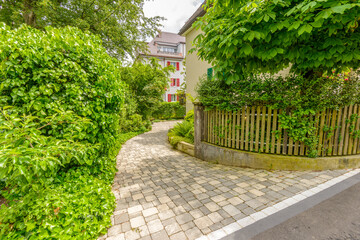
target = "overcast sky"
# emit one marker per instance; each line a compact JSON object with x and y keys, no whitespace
{"x":177,"y":12}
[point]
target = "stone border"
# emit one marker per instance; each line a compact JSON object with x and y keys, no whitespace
{"x":242,"y":223}
{"x":186,"y":148}
{"x":231,"y":157}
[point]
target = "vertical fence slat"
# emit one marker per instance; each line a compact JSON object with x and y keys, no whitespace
{"x":247,"y":128}
{"x":296,"y":148}
{"x":343,"y":128}
{"x":234,"y":130}
{"x":337,"y":132}
{"x":238,"y":130}
{"x":258,"y":112}
{"x":285,"y":139}
{"x":219,"y":126}
{"x":351,"y":133}
{"x":242,"y":145}
{"x":252,"y":122}
{"x":222,"y":129}
{"x":332,"y":126}
{"x":278,"y":146}
{"x":212,"y":125}
{"x":357,"y":128}
{"x":326,"y":133}
{"x":226,"y":128}
{"x":273,"y":137}
{"x":268,"y":119}
{"x":263,"y":118}
{"x":321,"y":131}
{"x":347,"y":131}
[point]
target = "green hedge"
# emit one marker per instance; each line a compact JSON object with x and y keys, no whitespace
{"x":170,"y":110}
{"x":60,"y":118}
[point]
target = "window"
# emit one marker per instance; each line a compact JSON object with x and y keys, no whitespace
{"x":172,"y":98}
{"x":176,"y":65}
{"x":175,"y":82}
{"x":167,"y":49}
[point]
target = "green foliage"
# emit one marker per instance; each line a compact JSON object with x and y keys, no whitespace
{"x":122,"y":25}
{"x":169,"y":110}
{"x":147,"y":82}
{"x":277,"y":92}
{"x":190,"y":116}
{"x":299,"y":98}
{"x":183,"y":131}
{"x":77,"y":205}
{"x":61,"y":99}
{"x":251,"y":37}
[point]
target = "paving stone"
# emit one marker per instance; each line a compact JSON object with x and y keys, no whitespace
{"x":172,"y":228}
{"x":161,"y":235}
{"x":203,"y":222}
{"x":178,"y":236}
{"x":150,"y":211}
{"x":155,"y":226}
{"x":114,"y":230}
{"x":121,"y":218}
{"x":193,"y":233}
{"x":184,"y":218}
{"x":137,"y":222}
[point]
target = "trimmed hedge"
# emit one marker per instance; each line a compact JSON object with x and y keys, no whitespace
{"x":170,"y":110}
{"x":60,"y":118}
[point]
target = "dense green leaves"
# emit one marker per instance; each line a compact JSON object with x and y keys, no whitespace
{"x":169,"y":110}
{"x":242,"y":37}
{"x":148,"y":83}
{"x":62,"y":110}
{"x":122,"y":25}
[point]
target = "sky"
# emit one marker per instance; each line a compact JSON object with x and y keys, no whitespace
{"x":177,"y":12}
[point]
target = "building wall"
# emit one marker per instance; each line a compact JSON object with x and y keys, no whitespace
{"x":177,"y":74}
{"x":195,"y":68}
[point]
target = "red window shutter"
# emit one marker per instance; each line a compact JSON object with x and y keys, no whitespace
{"x":178,"y":82}
{"x":169,"y":97}
{"x":177,"y":66}
{"x":172,"y":82}
{"x":168,"y":63}
{"x":177,"y":97}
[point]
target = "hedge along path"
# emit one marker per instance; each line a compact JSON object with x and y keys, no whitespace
{"x":257,"y":129}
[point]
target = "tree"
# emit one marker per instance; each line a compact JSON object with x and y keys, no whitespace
{"x":148,"y":82}
{"x":250,"y":37}
{"x":121,"y":24}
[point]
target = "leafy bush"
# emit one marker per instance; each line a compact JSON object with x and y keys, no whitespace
{"x":147,"y":82}
{"x":279,"y":92}
{"x":169,"y":110}
{"x":252,"y":37}
{"x":183,"y":131}
{"x":61,"y":100}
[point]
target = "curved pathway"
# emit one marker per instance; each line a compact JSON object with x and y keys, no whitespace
{"x":164,"y":194}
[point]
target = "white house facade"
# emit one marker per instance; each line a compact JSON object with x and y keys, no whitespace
{"x":169,"y":49}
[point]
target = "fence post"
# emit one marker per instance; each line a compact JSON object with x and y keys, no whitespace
{"x":198,"y":127}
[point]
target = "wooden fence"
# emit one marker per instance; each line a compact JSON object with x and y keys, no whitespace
{"x":257,"y":129}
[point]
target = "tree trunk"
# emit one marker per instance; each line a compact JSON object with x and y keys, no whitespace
{"x":29,"y":14}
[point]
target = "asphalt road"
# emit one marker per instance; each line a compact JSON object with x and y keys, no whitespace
{"x":337,"y":218}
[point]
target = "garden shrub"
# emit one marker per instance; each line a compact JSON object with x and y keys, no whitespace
{"x":183,"y":131}
{"x":246,"y":40}
{"x":61,"y":98}
{"x":169,"y":110}
{"x":147,"y":83}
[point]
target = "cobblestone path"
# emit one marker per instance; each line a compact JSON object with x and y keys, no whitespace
{"x":164,"y":194}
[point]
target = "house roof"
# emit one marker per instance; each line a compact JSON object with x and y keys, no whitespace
{"x":165,"y":39}
{"x":199,"y":13}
